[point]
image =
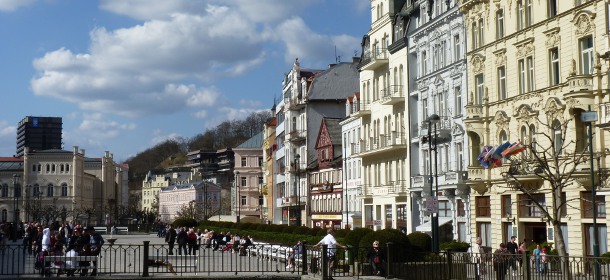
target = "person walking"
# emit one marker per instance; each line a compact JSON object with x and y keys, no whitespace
{"x":477,"y":258}
{"x":500,"y":260}
{"x":376,"y":258}
{"x":330,"y":241}
{"x":182,"y":239}
{"x":170,"y":238}
{"x":512,"y":248}
{"x":536,"y":258}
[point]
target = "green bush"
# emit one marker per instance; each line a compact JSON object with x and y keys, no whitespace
{"x":185,"y":223}
{"x":313,"y":231}
{"x":261,"y":227}
{"x":301,"y":230}
{"x":605,"y":258}
{"x":341,"y":233}
{"x":322,"y":232}
{"x":400,"y":245}
{"x":354,"y":236}
{"x":548,"y":246}
{"x":289,"y":229}
{"x":420,"y":241}
{"x":455,"y":246}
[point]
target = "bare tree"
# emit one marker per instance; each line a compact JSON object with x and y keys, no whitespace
{"x":550,"y":158}
{"x":192,"y":210}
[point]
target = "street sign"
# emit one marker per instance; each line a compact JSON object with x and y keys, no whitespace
{"x":589,"y":116}
{"x":432,"y":204}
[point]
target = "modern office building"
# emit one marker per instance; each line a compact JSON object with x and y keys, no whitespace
{"x":39,"y":133}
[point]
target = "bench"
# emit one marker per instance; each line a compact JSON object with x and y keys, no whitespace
{"x":101,"y":229}
{"x":121,"y":230}
{"x":175,"y":261}
{"x":60,"y":262}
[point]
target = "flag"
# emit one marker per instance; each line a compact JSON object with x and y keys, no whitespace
{"x":514,"y":149}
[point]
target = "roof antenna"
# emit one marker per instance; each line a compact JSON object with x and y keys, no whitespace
{"x":337,"y":58}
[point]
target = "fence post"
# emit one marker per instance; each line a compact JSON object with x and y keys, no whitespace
{"x":526,"y":267}
{"x":145,"y":261}
{"x":324,"y":262}
{"x":389,"y":261}
{"x":449,"y":264}
{"x":304,"y":259}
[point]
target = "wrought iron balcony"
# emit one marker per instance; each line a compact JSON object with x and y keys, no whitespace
{"x":372,"y":59}
{"x":393,"y":95}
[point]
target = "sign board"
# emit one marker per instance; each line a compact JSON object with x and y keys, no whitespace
{"x":432,"y":204}
{"x":589,"y":116}
{"x":377,"y":222}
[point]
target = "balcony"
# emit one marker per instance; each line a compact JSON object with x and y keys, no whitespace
{"x":374,"y":58}
{"x":295,"y":103}
{"x":367,"y":190}
{"x":581,"y":88}
{"x":604,"y":123}
{"x":289,"y":201}
{"x":477,"y":179}
{"x":354,"y":148}
{"x":296,"y":135}
{"x":442,"y":132}
{"x":358,"y":109}
{"x":384,"y":144}
{"x":456,"y":177}
{"x":393,"y":95}
{"x":421,"y":182}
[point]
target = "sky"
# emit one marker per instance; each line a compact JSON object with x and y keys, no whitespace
{"x":126,"y":75}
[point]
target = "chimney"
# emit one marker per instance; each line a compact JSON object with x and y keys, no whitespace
{"x":106,"y":154}
{"x":75,"y":149}
{"x":355,"y":59}
{"x":82,"y":152}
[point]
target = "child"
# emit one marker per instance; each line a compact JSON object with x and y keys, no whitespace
{"x":543,"y":261}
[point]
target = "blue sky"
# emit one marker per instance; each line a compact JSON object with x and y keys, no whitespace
{"x":127,"y":74}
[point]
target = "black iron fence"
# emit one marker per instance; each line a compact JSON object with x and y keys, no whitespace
{"x":319,"y":262}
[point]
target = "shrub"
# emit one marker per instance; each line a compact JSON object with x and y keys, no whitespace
{"x":261,"y":227}
{"x":313,"y":231}
{"x":354,"y":236}
{"x":420,"y":241}
{"x":605,"y":258}
{"x":340,"y":233}
{"x":185,"y":223}
{"x":401,"y":247}
{"x":322,"y":232}
{"x":289,"y":229}
{"x":301,"y":230}
{"x":455,"y":246}
{"x":548,"y":246}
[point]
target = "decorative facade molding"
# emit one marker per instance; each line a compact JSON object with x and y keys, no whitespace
{"x":502,"y":120}
{"x":583,"y":21}
{"x":552,"y":37}
{"x":478,"y":64}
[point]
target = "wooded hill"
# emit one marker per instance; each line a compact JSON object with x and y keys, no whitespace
{"x":172,"y":152}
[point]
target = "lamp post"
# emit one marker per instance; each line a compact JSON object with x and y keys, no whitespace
{"x":433,"y":119}
{"x":238,"y":195}
{"x":297,"y":158}
{"x":590,"y":117}
{"x":346,"y":199}
{"x":16,"y":194}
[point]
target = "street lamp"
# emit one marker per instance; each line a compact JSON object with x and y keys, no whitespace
{"x":16,"y":194}
{"x":433,"y":119}
{"x":346,"y":199}
{"x":297,"y":157}
{"x":238,"y":195}
{"x":589,"y":117}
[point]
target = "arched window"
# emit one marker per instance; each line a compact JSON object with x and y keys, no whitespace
{"x":36,"y":190}
{"x":48,"y":168}
{"x":557,"y":137}
{"x":50,"y":190}
{"x":4,"y":191}
{"x":532,"y":138}
{"x":53,"y":168}
{"x":4,"y":215}
{"x":64,"y":189}
{"x":481,"y":33}
{"x":61,"y":168}
{"x":67,"y":168}
{"x":475,"y":35}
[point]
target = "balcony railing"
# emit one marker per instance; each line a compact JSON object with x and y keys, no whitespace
{"x":392,"y":95}
{"x":474,"y":111}
{"x":296,"y":135}
{"x":295,"y":103}
{"x":383,"y":142}
{"x":358,"y":109}
{"x":580,"y":82}
{"x":374,"y":58}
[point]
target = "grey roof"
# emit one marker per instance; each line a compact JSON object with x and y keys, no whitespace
{"x":51,"y":151}
{"x":256,"y":142}
{"x":338,"y":82}
{"x":11,"y":166}
{"x":197,"y":185}
{"x":334,"y":130}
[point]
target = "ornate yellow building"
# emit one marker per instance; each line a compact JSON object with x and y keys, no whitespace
{"x":532,"y":72}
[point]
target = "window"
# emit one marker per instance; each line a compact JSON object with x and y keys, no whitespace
{"x":4,"y":215}
{"x":557,"y":137}
{"x":442,"y":104}
{"x":528,"y":13}
{"x":457,"y":50}
{"x":506,"y":206}
{"x":4,"y":191}
{"x":602,"y":232}
{"x":260,"y":161}
{"x":500,"y":24}
{"x":243,"y":181}
{"x":424,"y":61}
{"x":528,"y":207}
{"x":483,"y":206}
{"x":36,"y":190}
{"x":64,"y":190}
{"x":501,"y":83}
{"x":481,"y":33}
{"x":459,"y":148}
{"x":243,"y":200}
{"x":475,"y":35}
{"x":530,"y":74}
{"x":484,"y":231}
{"x":424,"y":104}
{"x":480,"y":88}
{"x":554,"y":66}
{"x":50,"y":190}
{"x":458,"y":101}
{"x":462,"y":232}
{"x":243,"y":161}
{"x":461,"y":211}
{"x":444,"y":208}
{"x":586,"y":55}
{"x":587,"y":205}
{"x":552,"y":8}
{"x":521,"y":65}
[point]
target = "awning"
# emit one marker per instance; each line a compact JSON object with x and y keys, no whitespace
{"x":427,"y":227}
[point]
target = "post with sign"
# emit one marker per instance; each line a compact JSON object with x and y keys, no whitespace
{"x":590,"y":117}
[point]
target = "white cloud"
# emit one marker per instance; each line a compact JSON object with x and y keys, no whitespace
{"x":96,"y":127}
{"x":132,"y":71}
{"x":12,"y":5}
{"x":317,"y":49}
{"x":159,"y":137}
{"x":200,"y":114}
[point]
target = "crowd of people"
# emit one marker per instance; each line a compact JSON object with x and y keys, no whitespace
{"x":508,"y":258}
{"x":57,"y":239}
{"x":190,"y":240}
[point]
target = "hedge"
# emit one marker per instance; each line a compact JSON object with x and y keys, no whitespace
{"x":420,"y":241}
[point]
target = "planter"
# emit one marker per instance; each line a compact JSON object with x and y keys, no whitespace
{"x":111,"y":240}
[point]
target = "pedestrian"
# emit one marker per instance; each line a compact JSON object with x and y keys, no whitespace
{"x":96,"y":242}
{"x":297,"y":252}
{"x":182,"y":239}
{"x":500,"y":260}
{"x":376,"y":259}
{"x":191,"y":240}
{"x":170,"y":238}
{"x":512,"y":248}
{"x":543,"y":261}
{"x":332,"y":244}
{"x":536,"y":258}
{"x":477,"y":258}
